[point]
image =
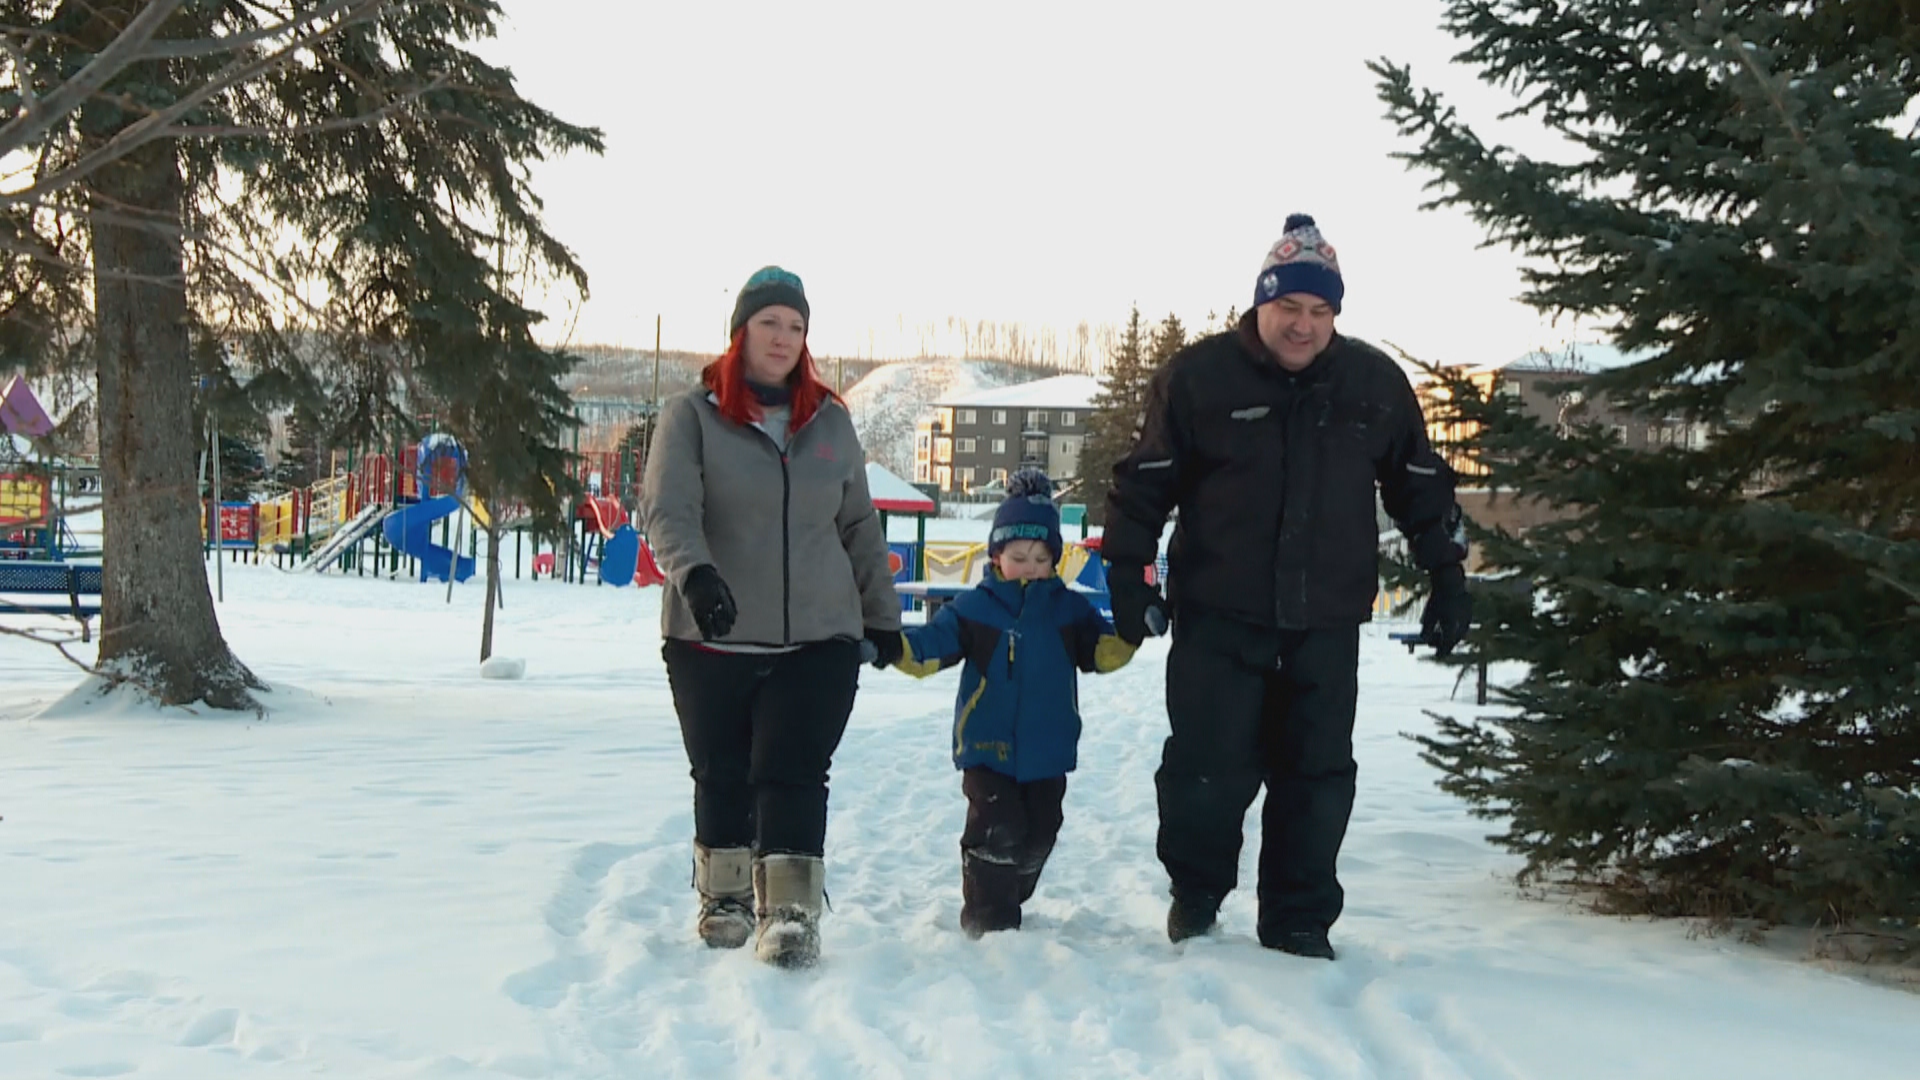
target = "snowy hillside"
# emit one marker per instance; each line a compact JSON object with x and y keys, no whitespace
{"x":889,"y":400}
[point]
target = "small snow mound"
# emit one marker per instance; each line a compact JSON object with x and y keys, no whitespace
{"x":503,"y":667}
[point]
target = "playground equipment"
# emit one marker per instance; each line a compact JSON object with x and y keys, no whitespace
{"x":410,"y":528}
{"x":343,"y":521}
{"x":35,"y":484}
{"x":624,"y":559}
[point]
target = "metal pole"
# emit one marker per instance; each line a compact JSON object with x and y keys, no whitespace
{"x":219,"y":573}
{"x":453,"y":561}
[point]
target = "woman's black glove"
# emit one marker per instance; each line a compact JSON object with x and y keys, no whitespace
{"x":887,"y":647}
{"x":711,"y":602}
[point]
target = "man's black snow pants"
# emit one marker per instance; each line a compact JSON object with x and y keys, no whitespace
{"x":760,"y":732}
{"x":1249,"y":706}
{"x":1011,"y":829}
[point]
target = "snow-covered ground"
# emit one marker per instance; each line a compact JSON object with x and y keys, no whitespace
{"x":410,"y":872}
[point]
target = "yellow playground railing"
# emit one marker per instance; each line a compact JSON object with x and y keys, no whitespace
{"x":280,"y":520}
{"x":332,"y":505}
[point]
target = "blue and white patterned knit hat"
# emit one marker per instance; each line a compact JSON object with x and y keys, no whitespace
{"x":1027,"y":514}
{"x":1301,"y":261}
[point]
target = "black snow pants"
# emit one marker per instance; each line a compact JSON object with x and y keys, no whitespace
{"x":1011,"y":829}
{"x":760,"y":732}
{"x":1251,"y":706}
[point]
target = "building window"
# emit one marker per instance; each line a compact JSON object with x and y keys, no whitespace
{"x":966,"y":478}
{"x":920,"y":472}
{"x":944,"y":477}
{"x":1000,"y":417}
{"x":968,"y":417}
{"x":1000,"y":477}
{"x":1036,"y":418}
{"x":963,"y":446}
{"x":999,"y":446}
{"x":1066,"y":418}
{"x":943,"y":449}
{"x":1034,"y":450}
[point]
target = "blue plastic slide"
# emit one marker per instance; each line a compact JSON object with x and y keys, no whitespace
{"x":410,"y":529}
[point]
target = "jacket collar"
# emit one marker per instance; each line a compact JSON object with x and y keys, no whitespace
{"x":1255,"y":351}
{"x":1011,"y":594}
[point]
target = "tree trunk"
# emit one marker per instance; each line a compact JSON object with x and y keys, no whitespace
{"x":157,"y":626}
{"x":493,"y":581}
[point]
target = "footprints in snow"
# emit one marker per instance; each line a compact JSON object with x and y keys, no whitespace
{"x":1401,"y":1031}
{"x":163,"y":1009}
{"x":1091,"y":989}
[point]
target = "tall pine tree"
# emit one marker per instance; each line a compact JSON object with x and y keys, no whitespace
{"x":1721,"y":703}
{"x":1116,"y":415}
{"x":1168,"y":338}
{"x":344,"y":172}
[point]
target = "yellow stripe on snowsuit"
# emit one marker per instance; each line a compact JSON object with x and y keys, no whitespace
{"x":919,"y":669}
{"x":966,"y":712}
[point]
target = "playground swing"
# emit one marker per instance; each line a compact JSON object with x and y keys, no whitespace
{"x":624,"y":559}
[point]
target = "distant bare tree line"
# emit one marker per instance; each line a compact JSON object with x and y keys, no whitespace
{"x":626,"y":373}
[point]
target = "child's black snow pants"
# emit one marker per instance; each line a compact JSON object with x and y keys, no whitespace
{"x":1011,"y":829}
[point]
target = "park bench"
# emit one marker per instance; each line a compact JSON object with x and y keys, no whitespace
{"x":51,"y":588}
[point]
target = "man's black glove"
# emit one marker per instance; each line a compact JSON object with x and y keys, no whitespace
{"x":711,"y":602}
{"x":888,"y":648}
{"x":1449,"y":611}
{"x":1138,"y":609}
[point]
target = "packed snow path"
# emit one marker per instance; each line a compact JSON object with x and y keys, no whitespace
{"x":409,"y":872}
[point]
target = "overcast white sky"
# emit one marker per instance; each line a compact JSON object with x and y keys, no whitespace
{"x":1047,"y":161}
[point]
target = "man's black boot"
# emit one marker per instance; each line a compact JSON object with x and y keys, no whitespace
{"x":1312,"y":944}
{"x":1191,"y":915}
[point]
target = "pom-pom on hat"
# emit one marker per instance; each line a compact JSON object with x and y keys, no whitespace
{"x":1027,"y":514}
{"x":768,"y":286}
{"x":1301,"y":261}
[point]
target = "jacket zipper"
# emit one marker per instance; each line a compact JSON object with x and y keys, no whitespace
{"x":786,"y":523}
{"x":786,"y":549}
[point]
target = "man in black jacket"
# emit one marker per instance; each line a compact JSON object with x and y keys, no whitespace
{"x":1270,"y":441}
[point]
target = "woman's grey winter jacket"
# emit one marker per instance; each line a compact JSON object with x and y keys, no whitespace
{"x":794,"y":533}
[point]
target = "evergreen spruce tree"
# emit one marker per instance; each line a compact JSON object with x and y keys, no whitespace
{"x":303,"y":460}
{"x":242,"y":468}
{"x":1116,"y":415}
{"x":1168,"y":338}
{"x":1721,"y":691}
{"x":253,"y":158}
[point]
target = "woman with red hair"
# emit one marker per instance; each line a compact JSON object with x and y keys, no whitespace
{"x":756,"y":507}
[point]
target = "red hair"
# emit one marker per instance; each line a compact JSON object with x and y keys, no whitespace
{"x":726,"y":379}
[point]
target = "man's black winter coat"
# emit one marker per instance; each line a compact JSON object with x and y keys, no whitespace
{"x":1273,"y":473}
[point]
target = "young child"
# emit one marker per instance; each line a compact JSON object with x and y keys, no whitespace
{"x":1022,"y":635}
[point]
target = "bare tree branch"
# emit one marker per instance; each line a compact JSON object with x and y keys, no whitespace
{"x":341,"y":123}
{"x":59,"y":640}
{"x":214,"y":46}
{"x":125,"y":49}
{"x":158,"y":124}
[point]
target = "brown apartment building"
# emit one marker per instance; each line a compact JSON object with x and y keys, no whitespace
{"x":1532,"y":378}
{"x":970,"y":443}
